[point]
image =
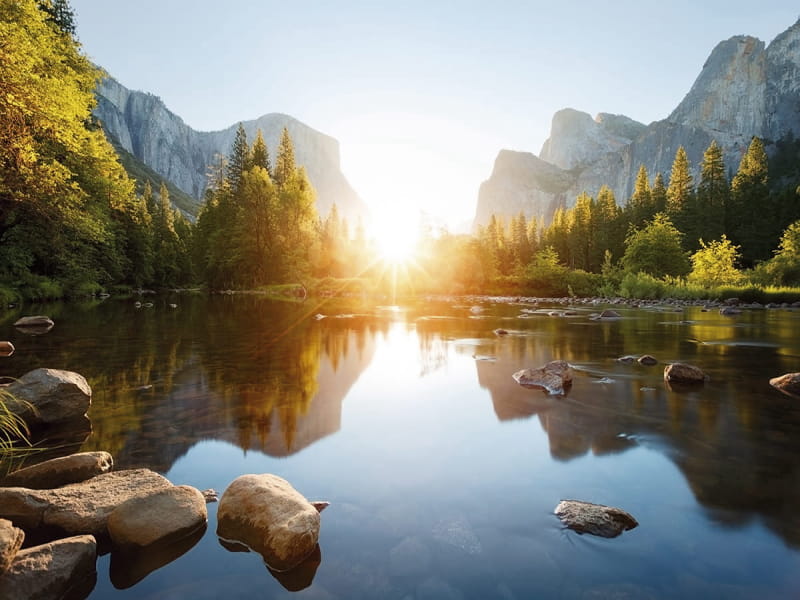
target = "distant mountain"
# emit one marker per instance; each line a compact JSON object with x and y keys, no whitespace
{"x":744,"y":89}
{"x":144,"y":127}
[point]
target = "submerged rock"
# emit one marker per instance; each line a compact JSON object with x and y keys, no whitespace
{"x":45,"y":396}
{"x":609,"y":314}
{"x":62,"y":569}
{"x":595,"y":519}
{"x":788,"y":383}
{"x":500,"y":332}
{"x":11,"y":539}
{"x":648,"y":360}
{"x":683,"y":373}
{"x":729,"y":311}
{"x":34,"y":321}
{"x":163,"y":517}
{"x":269,"y":516}
{"x":61,"y":471}
{"x":79,"y":507}
{"x":628,"y":359}
{"x":555,"y":377}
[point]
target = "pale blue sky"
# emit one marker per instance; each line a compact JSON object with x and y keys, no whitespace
{"x":421,"y":95}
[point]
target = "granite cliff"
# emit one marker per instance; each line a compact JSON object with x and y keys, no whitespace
{"x":744,"y":89}
{"x":142,"y":125}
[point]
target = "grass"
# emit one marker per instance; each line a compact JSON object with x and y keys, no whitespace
{"x":14,"y":432}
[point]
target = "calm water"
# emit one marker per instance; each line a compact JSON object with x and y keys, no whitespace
{"x":442,"y":473}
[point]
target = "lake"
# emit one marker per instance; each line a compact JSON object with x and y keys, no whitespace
{"x":442,"y":472}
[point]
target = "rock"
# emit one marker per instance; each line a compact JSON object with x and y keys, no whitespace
{"x":45,"y":396}
{"x":788,"y":383}
{"x":79,"y":507}
{"x":6,"y":348}
{"x":302,"y":576}
{"x":647,"y":360}
{"x":11,"y":539}
{"x":34,"y":321}
{"x":210,"y":495}
{"x":61,"y":471}
{"x":596,"y":519}
{"x":320,"y":505}
{"x":610,"y":314}
{"x":62,"y":569}
{"x":627,"y":359}
{"x":268,"y":515}
{"x":500,"y":332}
{"x":683,"y":373}
{"x":555,"y":377}
{"x":163,"y":517}
{"x":732,"y":301}
{"x":729,"y":311}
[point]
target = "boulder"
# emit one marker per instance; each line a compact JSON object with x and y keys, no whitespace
{"x":163,"y":517}
{"x":683,"y":373}
{"x":6,"y":348}
{"x":788,"y":383}
{"x":45,"y":396}
{"x":729,"y":311}
{"x":79,"y":507}
{"x":61,"y":471}
{"x":596,"y":519}
{"x":647,"y":360}
{"x":11,"y":539}
{"x":627,"y":359}
{"x":555,"y":377}
{"x":269,"y":516}
{"x":34,"y":321}
{"x":62,"y":569}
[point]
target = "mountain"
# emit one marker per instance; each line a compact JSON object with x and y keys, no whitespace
{"x":744,"y":89}
{"x":148,"y":131}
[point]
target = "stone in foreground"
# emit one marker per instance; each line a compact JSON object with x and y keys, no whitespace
{"x":265,"y":513}
{"x":34,"y":321}
{"x":788,"y":383}
{"x":595,"y":519}
{"x":6,"y":348}
{"x":61,"y":471}
{"x":164,"y":517}
{"x":46,"y":396}
{"x":62,"y":569}
{"x":683,"y":373}
{"x":555,"y":377}
{"x":80,"y":507}
{"x":11,"y":539}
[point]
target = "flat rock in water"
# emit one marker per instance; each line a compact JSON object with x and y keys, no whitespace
{"x":45,"y":396}
{"x":683,"y":373}
{"x":11,"y":539}
{"x":554,"y":377}
{"x":79,"y":507}
{"x":648,"y":360}
{"x":62,"y":569}
{"x":163,"y":517}
{"x":788,"y":383}
{"x":34,"y":321}
{"x":609,"y":314}
{"x":265,"y":513}
{"x":628,"y":359}
{"x":595,"y":519}
{"x":61,"y":471}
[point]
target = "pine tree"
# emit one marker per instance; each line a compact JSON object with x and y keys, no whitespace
{"x":284,"y":163}
{"x":238,"y":160}
{"x":639,"y":206}
{"x":260,"y":154}
{"x":609,"y":234}
{"x":712,"y":193}
{"x":681,"y":198}
{"x":60,"y":14}
{"x":580,"y":232}
{"x":751,"y":220}
{"x":658,"y":194}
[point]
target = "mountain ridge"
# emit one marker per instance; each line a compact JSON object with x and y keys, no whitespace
{"x":745,"y":88}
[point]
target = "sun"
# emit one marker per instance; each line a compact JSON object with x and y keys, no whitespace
{"x":396,"y":235}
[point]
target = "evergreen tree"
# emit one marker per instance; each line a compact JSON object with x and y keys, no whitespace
{"x":581,"y":232}
{"x":284,"y":163}
{"x":681,"y":198}
{"x":608,"y":228}
{"x":640,"y":206}
{"x":260,"y":153}
{"x":238,"y":160}
{"x":658,"y":194}
{"x":751,"y":220}
{"x":60,"y":14}
{"x":712,"y":193}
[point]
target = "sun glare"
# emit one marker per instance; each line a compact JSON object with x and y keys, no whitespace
{"x":395,"y":237}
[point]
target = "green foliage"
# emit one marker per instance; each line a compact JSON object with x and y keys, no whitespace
{"x":655,"y":249}
{"x":546,"y":276}
{"x":13,"y":429}
{"x":715,"y":264}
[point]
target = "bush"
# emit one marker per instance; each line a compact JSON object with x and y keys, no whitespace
{"x":641,"y":285}
{"x":8,"y":296}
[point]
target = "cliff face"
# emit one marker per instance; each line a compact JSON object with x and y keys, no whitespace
{"x":143,"y":126}
{"x":743,"y":90}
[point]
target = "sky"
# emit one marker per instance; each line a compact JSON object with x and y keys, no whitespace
{"x":421,"y":95}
